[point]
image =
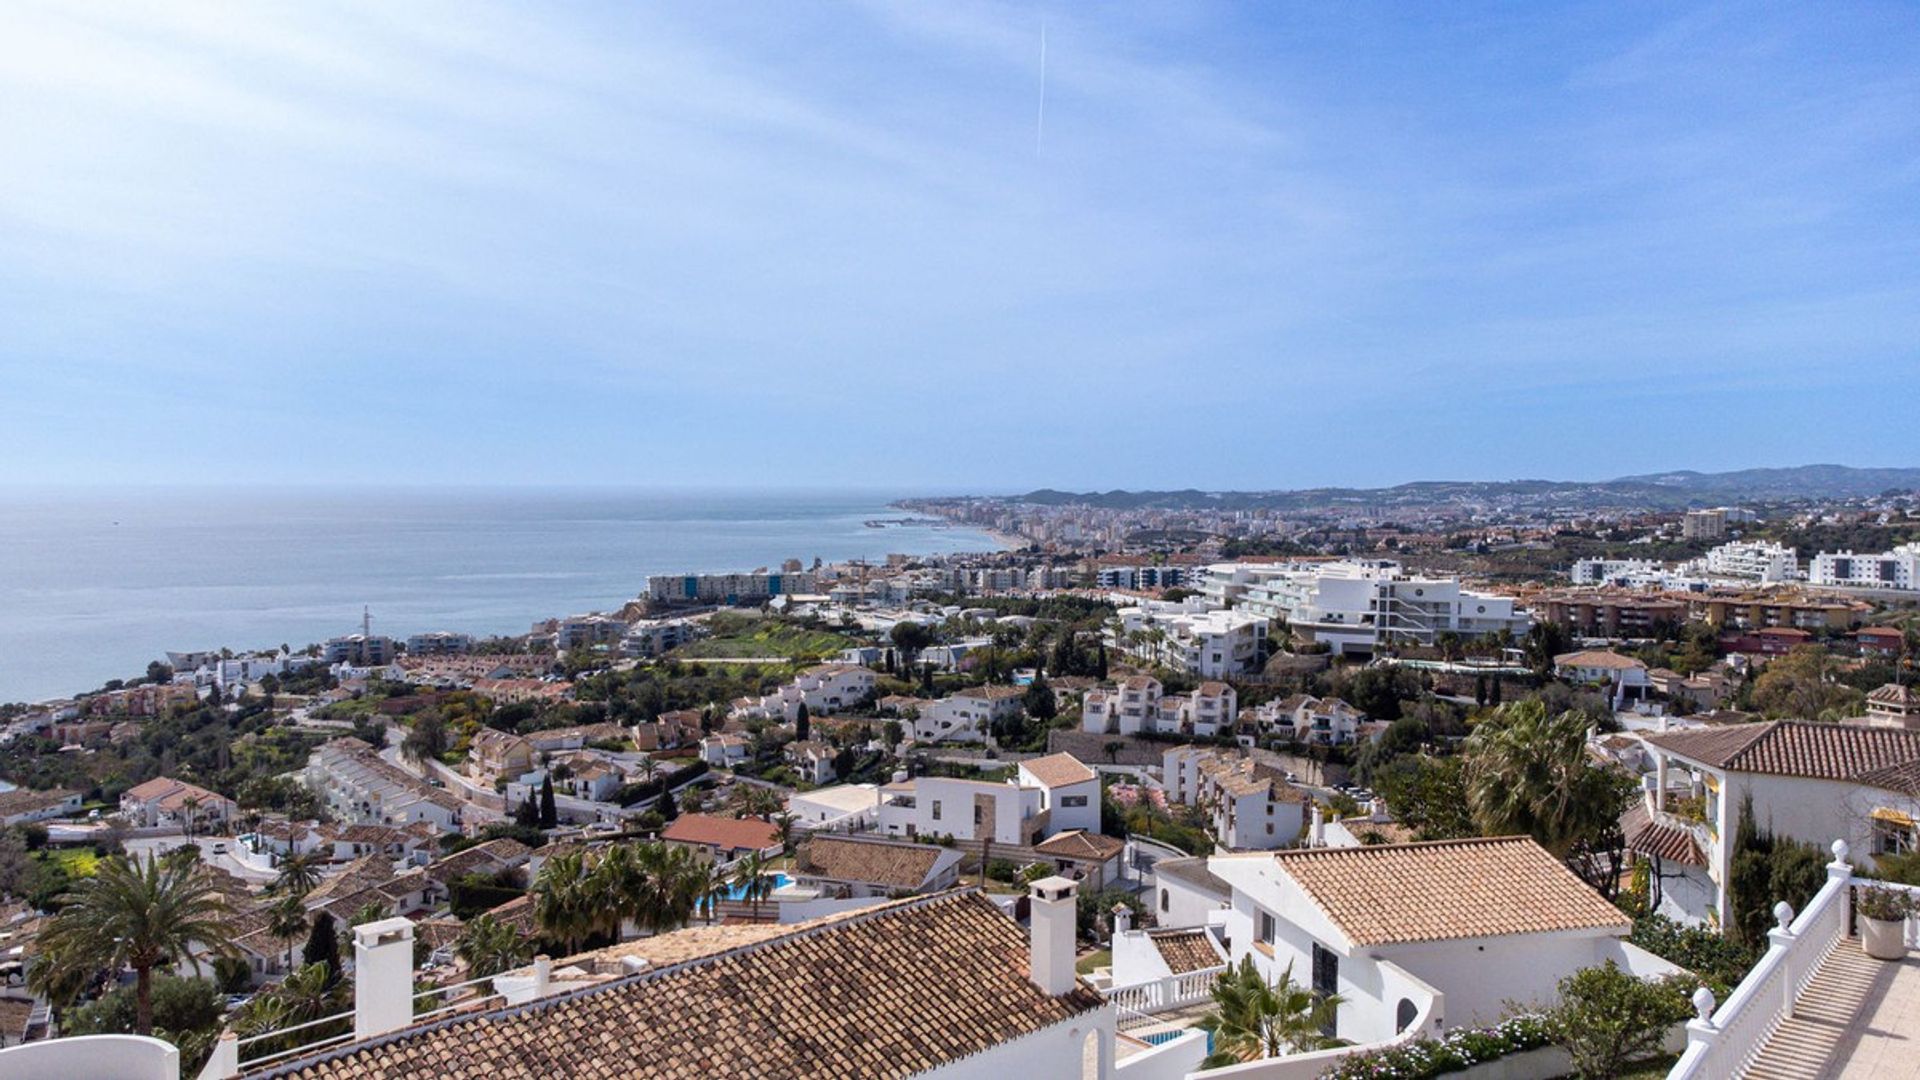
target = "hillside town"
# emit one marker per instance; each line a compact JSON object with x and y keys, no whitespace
{"x":1071,"y":808}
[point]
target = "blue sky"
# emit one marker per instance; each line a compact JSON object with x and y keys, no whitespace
{"x":1254,"y":246}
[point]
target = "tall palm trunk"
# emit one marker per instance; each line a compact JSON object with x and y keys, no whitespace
{"x":143,"y":1000}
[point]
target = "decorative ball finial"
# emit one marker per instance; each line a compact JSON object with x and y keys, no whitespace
{"x":1703,"y":1002}
{"x":1839,"y":851}
{"x":1783,"y":914}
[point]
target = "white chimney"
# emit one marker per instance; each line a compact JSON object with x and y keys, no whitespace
{"x":1050,"y":944}
{"x":542,"y":975}
{"x":1317,"y":837}
{"x":1122,"y":919}
{"x":382,"y":977}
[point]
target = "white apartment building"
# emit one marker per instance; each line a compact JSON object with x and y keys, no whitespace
{"x":1629,"y":572}
{"x":967,"y":716}
{"x":1761,"y":561}
{"x":1250,"y":803}
{"x":586,"y":631}
{"x":649,"y":638}
{"x":727,"y":588}
{"x":1704,"y":524}
{"x":1210,"y":644}
{"x":359,"y":650}
{"x":439,"y":643}
{"x":1896,"y":569}
{"x":1042,"y":799}
{"x":1138,"y":704}
{"x":824,"y":689}
{"x":1359,"y":606}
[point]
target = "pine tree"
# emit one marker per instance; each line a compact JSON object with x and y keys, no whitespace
{"x":549,"y":814}
{"x":323,"y":946}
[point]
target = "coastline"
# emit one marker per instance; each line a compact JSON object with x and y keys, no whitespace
{"x":98,"y":588}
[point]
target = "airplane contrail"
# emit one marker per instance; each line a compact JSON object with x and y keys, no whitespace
{"x":1040,"y":126}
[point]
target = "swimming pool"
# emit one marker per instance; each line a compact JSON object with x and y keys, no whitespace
{"x":780,"y":881}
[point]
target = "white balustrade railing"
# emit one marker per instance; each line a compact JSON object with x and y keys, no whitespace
{"x":1167,"y":992}
{"x":1723,"y":1041}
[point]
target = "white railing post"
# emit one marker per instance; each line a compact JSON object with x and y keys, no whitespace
{"x":1782,"y":937}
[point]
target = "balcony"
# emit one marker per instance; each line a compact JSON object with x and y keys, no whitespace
{"x":1815,"y":1005}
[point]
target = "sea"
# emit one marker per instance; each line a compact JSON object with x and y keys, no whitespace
{"x":95,"y":584}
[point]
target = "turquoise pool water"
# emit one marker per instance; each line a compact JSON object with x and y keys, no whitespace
{"x":780,"y":881}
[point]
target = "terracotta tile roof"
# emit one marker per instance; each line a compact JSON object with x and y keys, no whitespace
{"x":1798,"y":748}
{"x":1659,"y":839}
{"x":1597,"y":658}
{"x":1185,"y":950}
{"x":492,"y":855}
{"x":1080,"y":844}
{"x":27,"y":801}
{"x":886,"y":992}
{"x":1896,"y":695}
{"x":1058,"y":770}
{"x":719,"y":832}
{"x":900,"y":866}
{"x":1448,"y":889}
{"x":362,"y":873}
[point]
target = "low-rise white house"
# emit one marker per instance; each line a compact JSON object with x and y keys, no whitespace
{"x":723,"y":749}
{"x":360,"y":786}
{"x":841,"y":808}
{"x":164,"y":801}
{"x":1327,"y":721}
{"x":1625,"y":677}
{"x":1209,"y":644}
{"x":966,"y":716}
{"x":1422,"y":937}
{"x":1187,"y":894}
{"x":1069,"y":791}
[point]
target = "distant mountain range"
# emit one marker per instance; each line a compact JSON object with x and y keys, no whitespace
{"x":1670,"y":491}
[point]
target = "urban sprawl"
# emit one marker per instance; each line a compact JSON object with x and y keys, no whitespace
{"x":1175,"y":785}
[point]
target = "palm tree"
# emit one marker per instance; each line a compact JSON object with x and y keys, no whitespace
{"x":1253,"y":1018}
{"x":488,"y":947}
{"x":567,"y":904}
{"x":298,"y":874}
{"x":750,"y":877}
{"x":714,"y":885}
{"x":784,"y":822}
{"x":189,"y":808}
{"x":142,"y":915}
{"x":286,"y":920}
{"x":1528,"y":772}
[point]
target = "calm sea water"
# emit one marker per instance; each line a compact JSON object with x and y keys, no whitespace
{"x":93,"y":586}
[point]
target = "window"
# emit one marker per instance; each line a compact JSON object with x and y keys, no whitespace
{"x":1326,"y":982}
{"x":1166,"y":900}
{"x":1266,"y":927}
{"x":1073,"y":800}
{"x":1892,"y":837}
{"x":936,"y":809}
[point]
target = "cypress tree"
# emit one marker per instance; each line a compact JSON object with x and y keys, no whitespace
{"x":323,"y":946}
{"x":549,"y":814}
{"x":666,"y":807}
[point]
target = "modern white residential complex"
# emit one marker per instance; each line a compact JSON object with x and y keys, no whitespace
{"x":1360,"y":606}
{"x":1210,"y":644}
{"x":1765,"y":562}
{"x":1896,"y":569}
{"x":727,"y":588}
{"x":1632,"y":572}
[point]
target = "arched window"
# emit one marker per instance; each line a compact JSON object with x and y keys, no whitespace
{"x":1403,"y":1016}
{"x":1164,"y":900}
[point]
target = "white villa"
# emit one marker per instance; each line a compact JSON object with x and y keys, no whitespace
{"x":1810,"y":782}
{"x":1422,"y":937}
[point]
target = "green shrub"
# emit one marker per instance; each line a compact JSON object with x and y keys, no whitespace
{"x":1608,"y":1017}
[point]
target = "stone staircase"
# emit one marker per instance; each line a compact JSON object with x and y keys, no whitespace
{"x":1836,"y":1026}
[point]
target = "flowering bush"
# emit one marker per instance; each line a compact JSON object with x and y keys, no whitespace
{"x":1452,"y":1052}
